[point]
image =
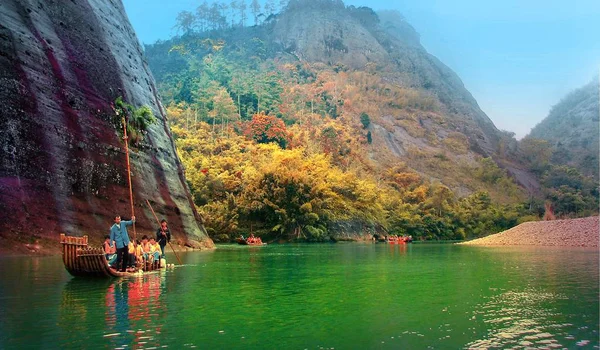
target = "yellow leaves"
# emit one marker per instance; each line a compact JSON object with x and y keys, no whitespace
{"x":406,"y":179}
{"x":418,"y":195}
{"x":216,"y":45}
{"x":181,"y":49}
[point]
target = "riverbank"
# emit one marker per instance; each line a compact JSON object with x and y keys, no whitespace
{"x":566,"y":233}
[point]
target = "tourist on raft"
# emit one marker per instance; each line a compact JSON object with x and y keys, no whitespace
{"x":139,"y":253}
{"x":253,"y":240}
{"x":119,"y":235}
{"x":154,"y":249}
{"x":163,"y":236}
{"x":109,"y":250}
{"x":145,"y":248}
{"x":131,"y":248}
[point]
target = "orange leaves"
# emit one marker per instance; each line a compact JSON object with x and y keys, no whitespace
{"x":265,"y":128}
{"x":406,"y":180}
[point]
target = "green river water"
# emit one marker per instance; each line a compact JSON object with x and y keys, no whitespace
{"x":313,"y":296}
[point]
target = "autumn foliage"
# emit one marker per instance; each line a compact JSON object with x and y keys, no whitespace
{"x":285,"y":150}
{"x":265,"y":128}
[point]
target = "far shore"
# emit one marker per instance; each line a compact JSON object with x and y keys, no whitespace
{"x":582,"y":232}
{"x":564,"y":233}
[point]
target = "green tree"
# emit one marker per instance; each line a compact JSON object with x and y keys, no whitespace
{"x":255,"y":9}
{"x":365,"y":120}
{"x":185,"y":22}
{"x":537,"y":152}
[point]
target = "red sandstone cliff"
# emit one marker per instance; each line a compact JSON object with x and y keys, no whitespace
{"x":62,"y":163}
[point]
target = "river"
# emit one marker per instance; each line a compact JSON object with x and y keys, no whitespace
{"x":313,"y":296}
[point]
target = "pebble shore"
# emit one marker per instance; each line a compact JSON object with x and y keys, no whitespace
{"x":565,"y":233}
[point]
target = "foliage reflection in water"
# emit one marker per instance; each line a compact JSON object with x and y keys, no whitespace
{"x":315,"y":296}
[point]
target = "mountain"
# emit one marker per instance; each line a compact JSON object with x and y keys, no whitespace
{"x":424,"y":104}
{"x":327,"y":32}
{"x":63,"y":64}
{"x":572,"y":129}
{"x":380,"y":133}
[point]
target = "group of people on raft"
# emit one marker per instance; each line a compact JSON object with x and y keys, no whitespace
{"x":252,"y":240}
{"x":398,"y":239}
{"x":125,"y":255}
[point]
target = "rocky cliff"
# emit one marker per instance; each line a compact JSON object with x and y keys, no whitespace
{"x":63,"y":165}
{"x":572,"y":128}
{"x":361,"y":39}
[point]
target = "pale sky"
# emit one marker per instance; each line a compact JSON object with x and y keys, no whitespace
{"x":517,"y":57}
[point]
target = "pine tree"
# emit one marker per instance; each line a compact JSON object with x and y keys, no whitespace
{"x":269,"y":7}
{"x":242,"y":7}
{"x":255,"y":9}
{"x":234,"y":8}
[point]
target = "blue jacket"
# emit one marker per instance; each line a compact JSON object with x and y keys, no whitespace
{"x":118,"y":233}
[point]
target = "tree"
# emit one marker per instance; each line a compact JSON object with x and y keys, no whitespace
{"x":269,"y":7}
{"x":223,"y":108}
{"x":365,"y":120}
{"x":537,"y":152}
{"x":441,"y":198}
{"x":242,"y":7}
{"x":185,"y":22}
{"x":234,"y":8}
{"x":255,"y":9}
{"x":265,"y":128}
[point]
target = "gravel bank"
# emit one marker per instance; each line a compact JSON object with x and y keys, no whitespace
{"x":571,"y":233}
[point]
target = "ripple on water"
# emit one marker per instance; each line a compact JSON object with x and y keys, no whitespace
{"x":518,"y":319}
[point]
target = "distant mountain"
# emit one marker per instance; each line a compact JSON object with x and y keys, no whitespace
{"x":420,"y":112}
{"x":572,"y":128}
{"x":361,"y":39}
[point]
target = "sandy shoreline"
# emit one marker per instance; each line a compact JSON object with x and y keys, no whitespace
{"x":565,"y":233}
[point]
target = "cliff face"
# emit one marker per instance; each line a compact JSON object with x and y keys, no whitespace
{"x":327,"y":32}
{"x":572,"y":128}
{"x":63,"y":165}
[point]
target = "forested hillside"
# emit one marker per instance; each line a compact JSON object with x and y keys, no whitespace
{"x":321,"y":121}
{"x":572,"y":129}
{"x":563,"y":151}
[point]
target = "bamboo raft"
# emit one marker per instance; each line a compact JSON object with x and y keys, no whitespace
{"x":81,"y":260}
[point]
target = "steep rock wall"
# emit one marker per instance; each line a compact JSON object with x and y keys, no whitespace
{"x":327,"y":32}
{"x":62,"y":161}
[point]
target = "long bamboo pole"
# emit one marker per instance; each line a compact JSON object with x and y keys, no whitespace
{"x":158,"y":222}
{"x":129,"y":174}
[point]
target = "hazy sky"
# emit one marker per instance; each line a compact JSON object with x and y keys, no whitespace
{"x":517,"y":57}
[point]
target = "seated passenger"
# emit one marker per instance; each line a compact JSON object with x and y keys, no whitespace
{"x":110,"y":250}
{"x":155,"y":250}
{"x":139,"y":252}
{"x":131,"y":255}
{"x":146,"y":248}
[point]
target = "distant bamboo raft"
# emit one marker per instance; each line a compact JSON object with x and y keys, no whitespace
{"x":80,"y":260}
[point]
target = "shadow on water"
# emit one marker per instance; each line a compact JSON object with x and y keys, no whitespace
{"x":127,"y":312}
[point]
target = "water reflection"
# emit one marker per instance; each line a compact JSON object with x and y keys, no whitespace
{"x":124,"y":313}
{"x":346,"y":296}
{"x":532,"y":310}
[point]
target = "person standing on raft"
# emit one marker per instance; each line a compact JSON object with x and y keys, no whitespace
{"x":163,"y":235}
{"x":119,"y":235}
